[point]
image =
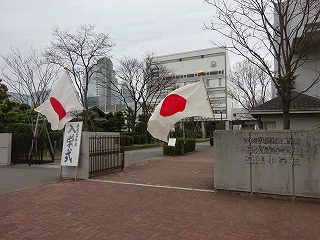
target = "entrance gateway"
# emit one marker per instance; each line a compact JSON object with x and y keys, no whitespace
{"x":100,"y":152}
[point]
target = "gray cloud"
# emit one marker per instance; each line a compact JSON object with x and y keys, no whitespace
{"x":160,"y":26}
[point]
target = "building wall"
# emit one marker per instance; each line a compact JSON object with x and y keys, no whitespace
{"x":297,"y":121}
{"x":215,"y":63}
{"x":308,"y":72}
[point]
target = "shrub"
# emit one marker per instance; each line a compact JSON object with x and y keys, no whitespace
{"x":183,"y":145}
{"x":169,"y":150}
{"x":137,"y":139}
{"x":193,"y":133}
{"x":179,"y":146}
{"x":21,"y":139}
{"x":57,"y":137}
{"x":144,"y":139}
{"x":189,"y":145}
{"x":140,"y":139}
{"x":126,"y":140}
{"x":19,"y":130}
{"x":2,"y":128}
{"x":150,"y":139}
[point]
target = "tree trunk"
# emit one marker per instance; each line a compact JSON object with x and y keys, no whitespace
{"x":133,"y":123}
{"x":85,"y":119}
{"x":286,"y":114}
{"x":259,"y":122}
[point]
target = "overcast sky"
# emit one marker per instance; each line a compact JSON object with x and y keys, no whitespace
{"x":135,"y":26}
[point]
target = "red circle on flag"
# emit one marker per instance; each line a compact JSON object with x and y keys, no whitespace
{"x":172,"y":104}
{"x":58,"y":108}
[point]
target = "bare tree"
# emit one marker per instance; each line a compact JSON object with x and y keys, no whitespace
{"x":158,"y":81}
{"x":142,"y":83}
{"x":128,"y":91}
{"x":80,"y":51}
{"x":251,"y":86}
{"x":258,"y":29}
{"x":28,"y":76}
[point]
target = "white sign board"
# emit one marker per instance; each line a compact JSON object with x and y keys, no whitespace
{"x":172,"y":142}
{"x":71,"y":144}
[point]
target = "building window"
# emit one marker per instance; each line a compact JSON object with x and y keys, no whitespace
{"x":269,"y":125}
{"x":190,"y":75}
{"x":220,"y":111}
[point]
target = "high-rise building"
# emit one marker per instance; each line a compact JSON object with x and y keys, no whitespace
{"x":101,"y":85}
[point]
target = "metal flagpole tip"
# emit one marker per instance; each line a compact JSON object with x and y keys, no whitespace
{"x":201,"y":73}
{"x":65,"y":67}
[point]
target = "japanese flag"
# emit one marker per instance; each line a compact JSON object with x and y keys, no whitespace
{"x":188,"y":101}
{"x":62,"y":99}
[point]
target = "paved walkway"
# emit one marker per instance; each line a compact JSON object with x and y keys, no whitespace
{"x":160,"y":198}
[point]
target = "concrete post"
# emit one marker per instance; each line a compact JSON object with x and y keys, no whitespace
{"x":5,"y":148}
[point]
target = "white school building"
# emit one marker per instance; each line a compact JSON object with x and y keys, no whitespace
{"x":214,"y":62}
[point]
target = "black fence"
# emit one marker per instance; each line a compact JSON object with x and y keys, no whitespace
{"x":105,"y":154}
{"x":31,"y":150}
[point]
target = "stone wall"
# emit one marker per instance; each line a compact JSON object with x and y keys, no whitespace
{"x":274,"y":162}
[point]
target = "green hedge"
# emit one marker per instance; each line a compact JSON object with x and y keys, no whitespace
{"x":21,"y":139}
{"x":189,"y":145}
{"x":140,"y":139}
{"x":57,"y":137}
{"x":19,"y":130}
{"x":2,"y":128}
{"x":127,"y":140}
{"x":169,"y":150}
{"x":183,"y":145}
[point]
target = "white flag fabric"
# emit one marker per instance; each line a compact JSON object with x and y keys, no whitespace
{"x":62,"y":99}
{"x":188,"y":101}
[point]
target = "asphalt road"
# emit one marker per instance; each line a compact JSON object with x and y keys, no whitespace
{"x":19,"y":176}
{"x":15,"y":177}
{"x":142,"y":154}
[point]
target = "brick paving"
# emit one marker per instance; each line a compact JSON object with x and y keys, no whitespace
{"x":97,"y":209}
{"x":193,"y":170}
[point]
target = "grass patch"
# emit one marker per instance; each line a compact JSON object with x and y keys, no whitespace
{"x":202,"y":139}
{"x":143,"y":146}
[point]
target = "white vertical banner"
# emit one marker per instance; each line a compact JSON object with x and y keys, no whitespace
{"x":172,"y":142}
{"x":71,"y":144}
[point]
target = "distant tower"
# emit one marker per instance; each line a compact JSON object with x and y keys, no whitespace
{"x":101,"y":83}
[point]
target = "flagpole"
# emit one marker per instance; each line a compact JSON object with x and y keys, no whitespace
{"x":74,"y":89}
{"x":201,"y":74}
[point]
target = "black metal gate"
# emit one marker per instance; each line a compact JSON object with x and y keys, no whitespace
{"x":105,"y":154}
{"x":30,"y":150}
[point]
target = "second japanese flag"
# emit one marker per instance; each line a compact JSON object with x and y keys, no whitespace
{"x":62,"y":99}
{"x":188,"y":101}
